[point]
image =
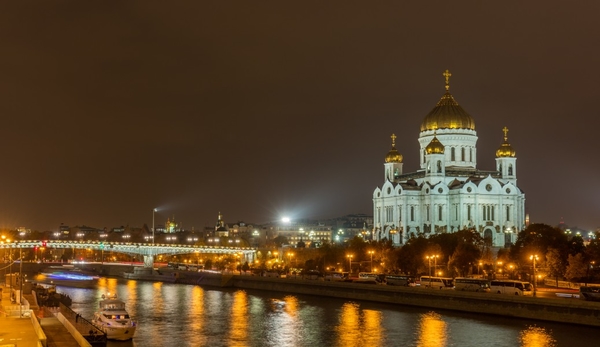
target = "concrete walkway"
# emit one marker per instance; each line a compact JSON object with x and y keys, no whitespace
{"x":56,"y":333}
{"x":21,"y":332}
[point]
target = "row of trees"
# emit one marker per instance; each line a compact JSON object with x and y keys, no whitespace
{"x":465,"y":253}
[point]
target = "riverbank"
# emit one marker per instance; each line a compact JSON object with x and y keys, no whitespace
{"x":572,"y":311}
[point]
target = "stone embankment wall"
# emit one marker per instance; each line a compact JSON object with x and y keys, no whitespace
{"x":557,"y":310}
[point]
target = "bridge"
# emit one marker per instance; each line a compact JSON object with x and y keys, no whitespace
{"x":148,"y":250}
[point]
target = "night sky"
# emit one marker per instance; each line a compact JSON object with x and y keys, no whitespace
{"x":260,"y":109}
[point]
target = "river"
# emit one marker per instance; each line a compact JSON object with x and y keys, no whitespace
{"x":186,"y":315}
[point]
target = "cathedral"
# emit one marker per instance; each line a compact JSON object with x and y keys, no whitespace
{"x":448,"y":193}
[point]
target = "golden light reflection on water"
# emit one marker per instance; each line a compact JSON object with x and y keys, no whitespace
{"x":358,"y":328}
{"x":197,"y":304}
{"x":536,"y":337}
{"x":239,"y":319}
{"x":132,"y":297}
{"x":291,"y":305}
{"x":108,"y":285}
{"x":433,"y":331}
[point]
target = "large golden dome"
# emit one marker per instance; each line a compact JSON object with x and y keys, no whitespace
{"x":505,"y":149}
{"x":393,"y":155}
{"x":447,"y":114}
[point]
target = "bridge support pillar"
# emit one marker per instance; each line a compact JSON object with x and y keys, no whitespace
{"x":149,"y":261}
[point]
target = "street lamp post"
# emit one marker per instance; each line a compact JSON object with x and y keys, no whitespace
{"x":350,"y":262}
{"x":371,"y":253}
{"x":587,"y":274}
{"x":429,"y":263}
{"x":20,"y":281}
{"x":534,"y":258}
{"x":153,"y":211}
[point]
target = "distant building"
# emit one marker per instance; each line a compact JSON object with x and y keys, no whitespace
{"x":221,"y":229}
{"x":347,"y":227}
{"x":448,"y":193}
{"x":311,"y":233}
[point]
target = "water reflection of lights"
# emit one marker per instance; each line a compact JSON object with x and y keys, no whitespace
{"x":291,"y":305}
{"x":284,"y":327}
{"x":359,"y":328}
{"x":239,"y":319}
{"x":432,"y":331}
{"x":132,"y":297}
{"x":107,"y":284}
{"x":196,"y":311}
{"x":536,"y":337}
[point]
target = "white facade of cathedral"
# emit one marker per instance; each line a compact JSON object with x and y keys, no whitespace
{"x":448,"y":193}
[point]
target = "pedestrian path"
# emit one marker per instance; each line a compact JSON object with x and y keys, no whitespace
{"x":56,"y":333}
{"x":21,"y":331}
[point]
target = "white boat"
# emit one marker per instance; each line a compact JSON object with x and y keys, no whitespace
{"x":113,"y":319}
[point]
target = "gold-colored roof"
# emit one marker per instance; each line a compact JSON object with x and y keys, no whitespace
{"x":393,"y":155}
{"x":447,"y":114}
{"x":435,"y":146}
{"x":505,"y":149}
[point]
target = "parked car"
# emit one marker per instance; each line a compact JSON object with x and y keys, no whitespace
{"x":311,"y":274}
{"x":336,"y":276}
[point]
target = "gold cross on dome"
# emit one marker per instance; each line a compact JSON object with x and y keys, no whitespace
{"x":447,"y":74}
{"x":393,"y":139}
{"x":505,"y":130}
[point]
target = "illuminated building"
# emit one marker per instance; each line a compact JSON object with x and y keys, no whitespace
{"x":221,"y":229}
{"x":171,"y":226}
{"x":448,"y":193}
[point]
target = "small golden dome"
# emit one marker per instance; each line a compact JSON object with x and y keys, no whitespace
{"x":505,"y":150}
{"x":393,"y":155}
{"x":447,"y":114}
{"x":435,"y":146}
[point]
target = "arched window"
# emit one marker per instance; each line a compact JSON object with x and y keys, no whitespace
{"x":439,"y":167}
{"x":462,"y":154}
{"x":453,"y":154}
{"x":510,"y":170}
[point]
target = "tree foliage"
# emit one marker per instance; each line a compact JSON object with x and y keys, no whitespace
{"x":577,"y":267}
{"x":536,"y":239}
{"x":554,"y":263}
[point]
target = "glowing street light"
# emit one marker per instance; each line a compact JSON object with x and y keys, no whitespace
{"x":350,"y":256}
{"x":371,"y":253}
{"x":434,"y":257}
{"x":154,"y":210}
{"x":534,"y":258}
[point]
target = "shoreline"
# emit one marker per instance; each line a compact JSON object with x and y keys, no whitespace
{"x":571,"y":310}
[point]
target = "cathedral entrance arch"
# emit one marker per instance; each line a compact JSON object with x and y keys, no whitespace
{"x":488,"y":234}
{"x":507,"y":240}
